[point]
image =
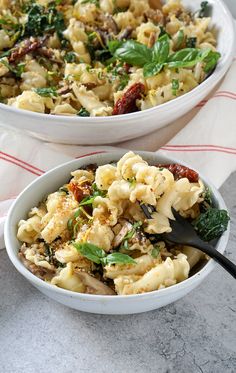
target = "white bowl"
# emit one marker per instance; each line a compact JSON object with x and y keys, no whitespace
{"x":50,"y":182}
{"x":113,"y":129}
{"x":232,"y":6}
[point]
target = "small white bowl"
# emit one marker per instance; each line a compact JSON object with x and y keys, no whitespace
{"x":50,"y":182}
{"x":113,"y":129}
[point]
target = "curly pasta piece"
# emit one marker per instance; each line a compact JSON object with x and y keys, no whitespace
{"x":29,"y":230}
{"x":106,"y":211}
{"x":28,"y":100}
{"x":158,"y":224}
{"x":162,"y":275}
{"x":100,"y":235}
{"x":3,"y":68}
{"x":60,"y":209}
{"x":91,"y":102}
{"x":182,"y":195}
{"x":69,"y":280}
{"x":33,"y":256}
{"x":105,"y":175}
{"x":143,"y":264}
{"x":146,"y":31}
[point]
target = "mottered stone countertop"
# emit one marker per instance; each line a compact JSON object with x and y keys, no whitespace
{"x":196,"y":334}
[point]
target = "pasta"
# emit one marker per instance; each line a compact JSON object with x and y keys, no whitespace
{"x":102,"y":57}
{"x":94,"y":235}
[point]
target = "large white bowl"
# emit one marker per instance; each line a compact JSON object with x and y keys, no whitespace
{"x":104,"y":130}
{"x":50,"y":182}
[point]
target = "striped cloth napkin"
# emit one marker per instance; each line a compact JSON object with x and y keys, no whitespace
{"x":204,"y":138}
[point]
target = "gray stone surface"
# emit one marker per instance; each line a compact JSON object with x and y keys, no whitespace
{"x":195,"y":334}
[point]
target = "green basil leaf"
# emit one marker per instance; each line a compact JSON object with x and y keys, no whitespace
{"x":113,"y":45}
{"x":183,"y":55}
{"x":187,"y":57}
{"x":161,"y":49}
{"x":180,"y":39}
{"x":90,"y":251}
{"x":118,"y":258}
{"x":134,"y":53}
{"x":211,"y":61}
{"x":152,"y":68}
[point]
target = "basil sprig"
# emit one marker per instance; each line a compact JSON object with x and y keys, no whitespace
{"x":154,"y":59}
{"x":99,"y":256}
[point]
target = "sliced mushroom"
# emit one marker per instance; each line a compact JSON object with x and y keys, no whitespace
{"x":126,"y":33}
{"x":108,"y":24}
{"x":94,"y":286}
{"x":122,"y":233}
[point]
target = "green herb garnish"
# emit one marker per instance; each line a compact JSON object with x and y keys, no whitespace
{"x":155,"y":252}
{"x":191,"y":42}
{"x":175,"y":86}
{"x":99,"y":256}
{"x":204,"y":11}
{"x":47,"y":92}
{"x":42,"y":20}
{"x":16,"y":70}
{"x":83,"y":113}
{"x":211,"y":224}
{"x":70,"y":57}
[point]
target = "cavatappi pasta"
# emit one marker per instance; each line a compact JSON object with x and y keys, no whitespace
{"x":93,"y":235}
{"x":101,"y":58}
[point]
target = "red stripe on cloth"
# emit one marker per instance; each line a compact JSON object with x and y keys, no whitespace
{"x":225,"y":96}
{"x":20,"y":160}
{"x":20,"y":165}
{"x":200,"y":146}
{"x":198,"y":150}
{"x":227,"y":92}
{"x":88,"y":154}
{"x":8,"y":199}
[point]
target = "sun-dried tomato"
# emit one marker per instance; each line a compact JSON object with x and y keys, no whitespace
{"x":27,"y":46}
{"x":180,"y":171}
{"x":126,"y":67}
{"x":127,"y":103}
{"x":80,"y":191}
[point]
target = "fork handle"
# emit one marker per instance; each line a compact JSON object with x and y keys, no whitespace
{"x":219,"y":258}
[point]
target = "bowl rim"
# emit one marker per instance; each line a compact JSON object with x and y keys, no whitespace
{"x":218,"y":73}
{"x":207,"y":268}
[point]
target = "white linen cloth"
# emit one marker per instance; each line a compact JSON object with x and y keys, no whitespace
{"x":204,"y":138}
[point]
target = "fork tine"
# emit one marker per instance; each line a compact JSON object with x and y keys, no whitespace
{"x":175,"y":214}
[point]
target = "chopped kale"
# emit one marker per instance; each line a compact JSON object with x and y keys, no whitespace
{"x":191,"y":42}
{"x":211,"y":224}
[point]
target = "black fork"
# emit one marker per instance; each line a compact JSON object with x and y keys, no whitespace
{"x":184,"y":233}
